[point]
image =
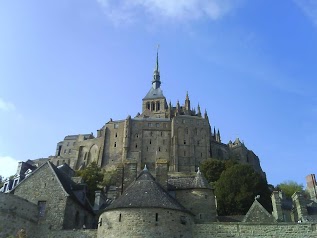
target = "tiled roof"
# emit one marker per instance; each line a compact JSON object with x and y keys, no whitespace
{"x":145,"y":192}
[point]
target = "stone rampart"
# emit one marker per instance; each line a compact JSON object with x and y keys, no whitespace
{"x":44,"y":233}
{"x":16,"y":213}
{"x":248,"y":230}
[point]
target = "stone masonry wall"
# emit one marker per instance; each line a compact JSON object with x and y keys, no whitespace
{"x":43,"y":186}
{"x":248,"y":230}
{"x":151,"y":222}
{"x":44,"y":233}
{"x":16,"y":213}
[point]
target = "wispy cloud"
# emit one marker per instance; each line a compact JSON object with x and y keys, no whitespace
{"x":126,"y":11}
{"x":309,"y":7}
{"x":6,"y":106}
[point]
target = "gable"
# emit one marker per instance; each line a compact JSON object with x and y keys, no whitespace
{"x":257,"y":213}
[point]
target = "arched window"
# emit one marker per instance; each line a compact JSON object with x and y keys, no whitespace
{"x":153,"y":106}
{"x":148,"y":105}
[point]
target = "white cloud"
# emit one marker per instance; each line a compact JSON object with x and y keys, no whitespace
{"x":8,"y":166}
{"x":6,"y":106}
{"x":309,"y":7}
{"x":125,"y":11}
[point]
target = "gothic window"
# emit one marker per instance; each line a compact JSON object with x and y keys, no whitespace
{"x":148,"y":105}
{"x":157,"y":106}
{"x":153,"y":106}
{"x":41,"y":208}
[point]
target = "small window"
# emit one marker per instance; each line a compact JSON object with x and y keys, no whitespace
{"x":65,"y":151}
{"x":159,"y":148}
{"x":184,"y":142}
{"x":150,"y":141}
{"x":136,"y":145}
{"x":116,"y":134}
{"x":156,"y":216}
{"x":120,"y":217}
{"x":198,"y":142}
{"x":41,"y":208}
{"x":69,"y":151}
{"x":115,"y":144}
{"x":161,"y":133}
{"x":100,"y":222}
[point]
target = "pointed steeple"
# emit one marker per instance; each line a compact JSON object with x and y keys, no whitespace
{"x":187,"y":104}
{"x":156,"y":82}
{"x":198,"y":111}
{"x":206,"y":115}
{"x":218,"y":139}
{"x":214,"y":132}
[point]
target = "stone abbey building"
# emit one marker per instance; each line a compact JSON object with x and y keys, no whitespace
{"x":159,"y":191}
{"x":180,"y":134}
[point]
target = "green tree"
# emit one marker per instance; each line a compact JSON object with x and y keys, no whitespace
{"x":236,"y":189}
{"x":212,"y":169}
{"x":92,"y":176}
{"x":290,"y":187}
{"x":109,"y":178}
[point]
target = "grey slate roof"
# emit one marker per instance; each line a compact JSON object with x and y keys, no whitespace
{"x":145,"y":192}
{"x":154,"y":93}
{"x":192,"y":182}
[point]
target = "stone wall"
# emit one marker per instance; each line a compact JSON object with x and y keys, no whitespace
{"x":16,"y":213}
{"x":44,"y":233}
{"x":43,"y":186}
{"x":201,"y":202}
{"x":248,"y":230}
{"x":151,"y":222}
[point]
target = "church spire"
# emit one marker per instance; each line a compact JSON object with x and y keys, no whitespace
{"x":156,"y":82}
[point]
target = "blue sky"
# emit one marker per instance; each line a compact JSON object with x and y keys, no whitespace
{"x":67,"y":67}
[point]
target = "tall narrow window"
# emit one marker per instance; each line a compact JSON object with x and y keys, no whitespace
{"x":148,"y":105}
{"x":136,"y":145}
{"x":184,"y":142}
{"x":120,"y":217}
{"x":156,"y":216}
{"x":115,"y":144}
{"x":159,"y":148}
{"x":150,"y":142}
{"x":116,"y":134}
{"x":42,"y":208}
{"x":100,"y":222}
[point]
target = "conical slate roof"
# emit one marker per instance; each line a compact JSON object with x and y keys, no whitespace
{"x":200,"y":182}
{"x":145,"y":192}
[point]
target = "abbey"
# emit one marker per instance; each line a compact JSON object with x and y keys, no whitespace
{"x":180,"y":134}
